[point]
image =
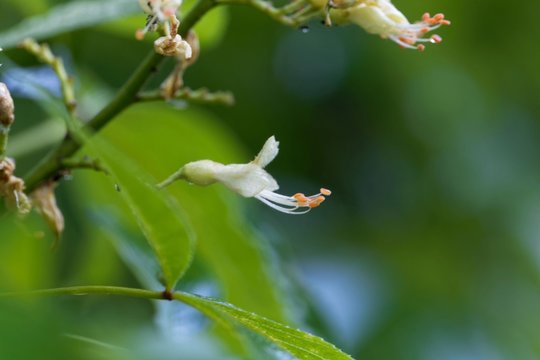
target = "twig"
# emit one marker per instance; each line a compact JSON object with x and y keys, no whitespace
{"x":203,"y":96}
{"x":45,"y":55}
{"x":292,"y":14}
{"x":84,"y":163}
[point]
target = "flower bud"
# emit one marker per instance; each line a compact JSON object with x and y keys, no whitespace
{"x":6,"y":106}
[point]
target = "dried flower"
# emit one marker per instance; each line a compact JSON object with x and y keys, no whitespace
{"x":249,"y":180}
{"x":12,"y":187}
{"x":173,"y":46}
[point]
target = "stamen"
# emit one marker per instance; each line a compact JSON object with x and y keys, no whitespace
{"x":291,"y":204}
{"x":408,"y":35}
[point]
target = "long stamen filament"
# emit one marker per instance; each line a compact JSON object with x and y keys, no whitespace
{"x":290,"y":204}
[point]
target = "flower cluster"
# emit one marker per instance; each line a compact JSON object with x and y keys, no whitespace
{"x":249,"y":180}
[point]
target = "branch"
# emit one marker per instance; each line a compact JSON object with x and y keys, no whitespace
{"x":126,"y":96}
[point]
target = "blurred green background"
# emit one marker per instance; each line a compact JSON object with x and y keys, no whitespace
{"x":428,"y":248}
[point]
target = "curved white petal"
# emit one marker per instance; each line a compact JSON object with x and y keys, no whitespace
{"x":268,"y":152}
{"x":246,"y":179}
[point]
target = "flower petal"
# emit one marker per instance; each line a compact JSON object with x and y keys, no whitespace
{"x":268,"y":152}
{"x":247,"y":180}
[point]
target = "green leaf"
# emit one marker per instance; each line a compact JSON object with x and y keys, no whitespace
{"x":301,"y":345}
{"x":211,"y":28}
{"x":29,"y":7}
{"x":158,"y":214}
{"x":27,"y":262}
{"x":68,"y":17}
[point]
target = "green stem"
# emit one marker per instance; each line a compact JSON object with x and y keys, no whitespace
{"x":93,"y":289}
{"x":52,"y":162}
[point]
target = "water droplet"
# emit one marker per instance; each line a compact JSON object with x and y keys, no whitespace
{"x":304,"y":29}
{"x":117,"y":187}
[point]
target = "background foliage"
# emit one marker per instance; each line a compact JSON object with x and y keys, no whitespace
{"x":428,"y":249}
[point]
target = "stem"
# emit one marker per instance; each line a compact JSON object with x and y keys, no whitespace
{"x":52,"y":162}
{"x":92,"y":289}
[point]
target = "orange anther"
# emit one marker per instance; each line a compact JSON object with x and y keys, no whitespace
{"x":421,"y":47}
{"x":139,"y":34}
{"x":426,"y":17}
{"x":325,"y":192}
{"x":301,"y":198}
{"x":316,"y":202}
{"x":424,"y":30}
{"x":445,"y":22}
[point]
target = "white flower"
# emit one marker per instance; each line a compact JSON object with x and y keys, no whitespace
{"x":249,"y":180}
{"x":383,"y":18}
{"x":160,"y":12}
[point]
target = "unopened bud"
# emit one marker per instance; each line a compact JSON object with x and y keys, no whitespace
{"x":6,"y":106}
